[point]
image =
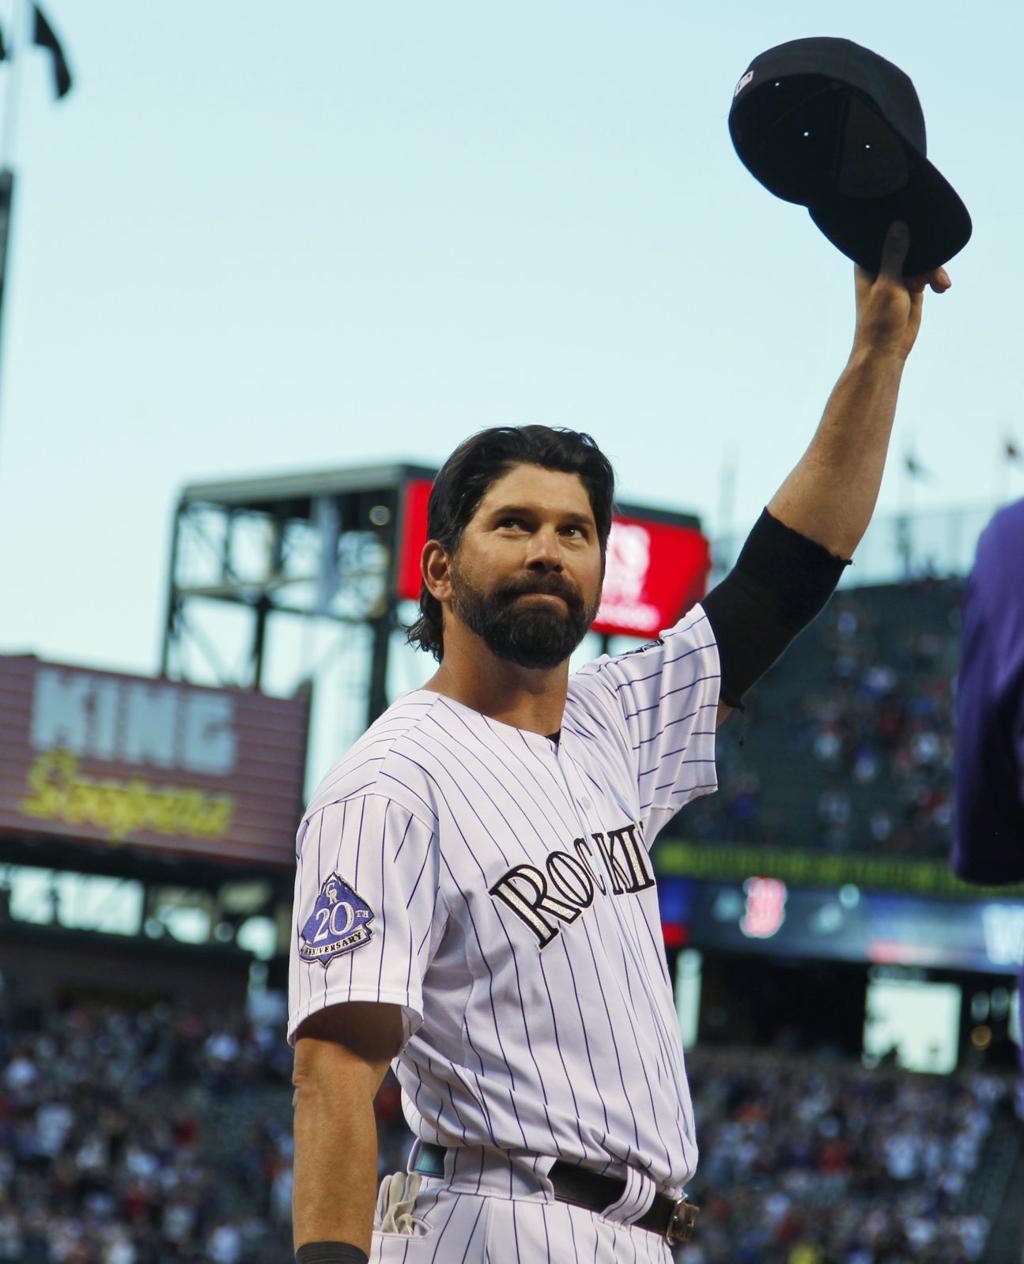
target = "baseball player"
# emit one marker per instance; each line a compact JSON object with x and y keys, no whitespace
{"x":474,"y":896}
{"x":988,"y":759}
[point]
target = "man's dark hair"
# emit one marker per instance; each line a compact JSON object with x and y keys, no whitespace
{"x":481,"y":460}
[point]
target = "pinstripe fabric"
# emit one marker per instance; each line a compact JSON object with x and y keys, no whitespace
{"x":515,"y":917}
{"x":454,"y":1228}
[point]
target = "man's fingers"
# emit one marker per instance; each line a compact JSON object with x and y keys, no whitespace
{"x":938,"y":281}
{"x":894,"y":254}
{"x":894,"y":251}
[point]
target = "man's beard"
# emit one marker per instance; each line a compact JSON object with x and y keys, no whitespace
{"x":529,"y":633}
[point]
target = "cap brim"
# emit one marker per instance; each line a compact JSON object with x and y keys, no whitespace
{"x":939,"y":223}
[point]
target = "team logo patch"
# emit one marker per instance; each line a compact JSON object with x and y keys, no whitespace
{"x":339,"y":923}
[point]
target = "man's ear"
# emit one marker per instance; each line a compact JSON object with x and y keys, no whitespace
{"x":435,"y":567}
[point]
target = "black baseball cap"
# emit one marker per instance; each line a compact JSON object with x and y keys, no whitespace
{"x":837,"y":128}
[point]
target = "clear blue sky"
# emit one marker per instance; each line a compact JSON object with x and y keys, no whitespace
{"x":259,"y":237}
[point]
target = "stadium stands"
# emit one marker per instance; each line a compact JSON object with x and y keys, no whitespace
{"x":845,"y":745}
{"x":105,"y":1138}
{"x":165,"y":1136}
{"x":806,"y":1161}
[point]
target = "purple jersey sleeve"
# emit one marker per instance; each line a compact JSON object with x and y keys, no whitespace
{"x":988,"y":840}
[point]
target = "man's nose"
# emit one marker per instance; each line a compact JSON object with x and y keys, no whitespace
{"x":543,"y":552}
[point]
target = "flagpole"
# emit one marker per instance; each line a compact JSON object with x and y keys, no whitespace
{"x":724,"y":528}
{"x":1011,"y":457}
{"x":13,"y":81}
{"x":905,"y":542}
{"x":1002,"y":470}
{"x":7,"y":138}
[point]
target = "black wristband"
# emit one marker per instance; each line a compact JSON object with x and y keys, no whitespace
{"x":780,"y":582}
{"x":330,"y":1253}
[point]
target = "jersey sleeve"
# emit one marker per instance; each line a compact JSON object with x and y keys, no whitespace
{"x":367,"y":910}
{"x":667,"y":693}
{"x":988,"y":834}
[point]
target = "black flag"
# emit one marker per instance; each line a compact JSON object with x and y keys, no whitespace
{"x":43,"y":34}
{"x":913,"y":466}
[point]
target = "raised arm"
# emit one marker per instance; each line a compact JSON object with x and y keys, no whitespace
{"x":795,"y":554}
{"x":831,"y":493}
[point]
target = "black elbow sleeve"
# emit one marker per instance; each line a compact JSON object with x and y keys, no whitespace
{"x":330,"y":1253}
{"x":780,"y":582}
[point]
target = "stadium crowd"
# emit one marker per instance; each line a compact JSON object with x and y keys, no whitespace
{"x":816,"y":1162}
{"x":107,"y":1153}
{"x":848,"y":740}
{"x":163,"y":1136}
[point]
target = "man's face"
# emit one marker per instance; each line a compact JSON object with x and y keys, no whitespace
{"x":527,"y":574}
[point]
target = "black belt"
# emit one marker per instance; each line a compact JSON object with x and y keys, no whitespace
{"x":672,"y":1218}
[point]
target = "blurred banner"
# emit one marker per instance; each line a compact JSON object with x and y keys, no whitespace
{"x":766,"y":916}
{"x":103,"y":757}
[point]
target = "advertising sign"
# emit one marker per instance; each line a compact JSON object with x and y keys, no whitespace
{"x":657,"y":566}
{"x":804,"y":867}
{"x":763,"y":915}
{"x":103,"y":757}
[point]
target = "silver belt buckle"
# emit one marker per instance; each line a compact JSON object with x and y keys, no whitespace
{"x":681,"y":1222}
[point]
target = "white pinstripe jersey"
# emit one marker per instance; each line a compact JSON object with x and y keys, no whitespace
{"x":496,"y":884}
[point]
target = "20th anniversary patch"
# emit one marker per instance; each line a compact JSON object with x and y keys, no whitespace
{"x":339,"y":922}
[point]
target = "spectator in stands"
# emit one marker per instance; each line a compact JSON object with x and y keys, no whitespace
{"x":988,"y":838}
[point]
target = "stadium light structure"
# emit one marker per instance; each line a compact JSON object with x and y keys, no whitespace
{"x":310,"y":546}
{"x":344,"y":546}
